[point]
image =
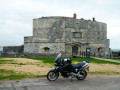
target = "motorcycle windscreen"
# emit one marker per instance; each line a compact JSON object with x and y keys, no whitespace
{"x":58,"y":58}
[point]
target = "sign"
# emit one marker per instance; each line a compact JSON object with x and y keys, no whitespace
{"x":106,"y":53}
{"x":88,"y":52}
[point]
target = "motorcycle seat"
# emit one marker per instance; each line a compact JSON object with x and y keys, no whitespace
{"x":79,"y":65}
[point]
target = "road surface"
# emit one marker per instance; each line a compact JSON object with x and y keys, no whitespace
{"x":90,"y":83}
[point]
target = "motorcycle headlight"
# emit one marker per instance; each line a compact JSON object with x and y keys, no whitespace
{"x":65,"y":59}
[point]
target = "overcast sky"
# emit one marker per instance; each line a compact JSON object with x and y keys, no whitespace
{"x":16,"y":16}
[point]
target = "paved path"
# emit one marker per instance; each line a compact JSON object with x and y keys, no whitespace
{"x":108,"y":60}
{"x":90,"y":83}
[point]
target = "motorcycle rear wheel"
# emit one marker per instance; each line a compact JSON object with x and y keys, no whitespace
{"x":84,"y":75}
{"x":52,"y":76}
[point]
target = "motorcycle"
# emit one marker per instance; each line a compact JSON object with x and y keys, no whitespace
{"x":66,"y":69}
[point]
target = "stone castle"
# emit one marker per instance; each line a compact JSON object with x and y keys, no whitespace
{"x":68,"y":35}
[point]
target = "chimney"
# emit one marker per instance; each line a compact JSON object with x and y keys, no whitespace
{"x":74,"y":16}
{"x":93,"y":18}
{"x":42,"y":16}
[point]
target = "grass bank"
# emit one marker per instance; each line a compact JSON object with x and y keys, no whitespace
{"x":22,"y":68}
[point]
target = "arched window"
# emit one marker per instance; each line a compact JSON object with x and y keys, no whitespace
{"x":46,"y":49}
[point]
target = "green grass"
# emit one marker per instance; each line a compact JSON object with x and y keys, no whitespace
{"x":12,"y":75}
{"x":51,"y":60}
{"x":21,"y":64}
{"x":5,"y":61}
{"x":3,"y":71}
{"x":5,"y":74}
{"x":18,"y":77}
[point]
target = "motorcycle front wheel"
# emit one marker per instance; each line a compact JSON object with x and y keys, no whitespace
{"x":83,"y":75}
{"x":52,"y":76}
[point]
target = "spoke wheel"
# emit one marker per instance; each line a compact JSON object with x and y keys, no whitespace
{"x":83,"y":75}
{"x":52,"y":76}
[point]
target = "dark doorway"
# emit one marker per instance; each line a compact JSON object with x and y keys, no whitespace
{"x":100,"y":51}
{"x":74,"y":50}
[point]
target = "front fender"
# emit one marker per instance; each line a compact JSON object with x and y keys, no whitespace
{"x":54,"y":70}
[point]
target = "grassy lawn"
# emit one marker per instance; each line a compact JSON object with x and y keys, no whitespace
{"x":5,"y":73}
{"x":51,"y":60}
{"x":12,"y":75}
{"x":5,"y":61}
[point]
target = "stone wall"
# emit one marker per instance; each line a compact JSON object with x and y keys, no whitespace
{"x":17,"y":51}
{"x":46,"y":33}
{"x":12,"y":51}
{"x":93,"y":36}
{"x":48,"y":30}
{"x":42,"y":48}
{"x":29,"y":55}
{"x":92,"y":31}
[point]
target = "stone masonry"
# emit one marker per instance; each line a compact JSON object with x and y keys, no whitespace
{"x":68,"y":35}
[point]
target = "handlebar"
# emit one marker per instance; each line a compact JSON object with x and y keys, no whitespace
{"x":88,"y":61}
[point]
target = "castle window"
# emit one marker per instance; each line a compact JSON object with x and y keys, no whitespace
{"x":77,"y":34}
{"x":46,"y":49}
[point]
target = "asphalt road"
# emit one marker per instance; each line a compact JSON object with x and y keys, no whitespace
{"x":90,"y":83}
